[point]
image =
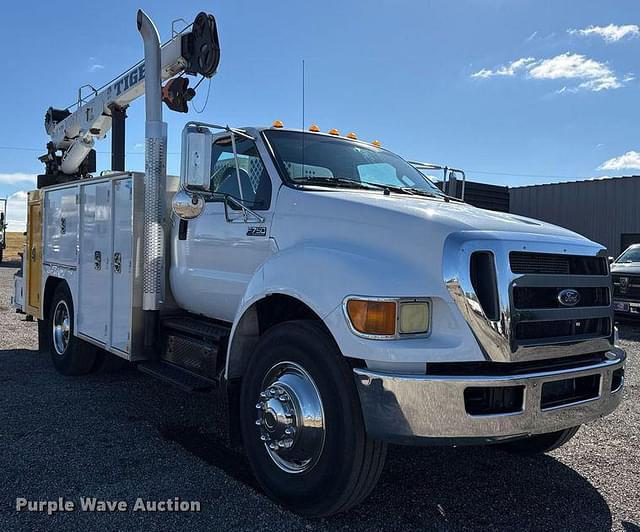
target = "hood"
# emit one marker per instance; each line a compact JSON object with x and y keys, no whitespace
{"x":444,"y":216}
{"x":631,"y":268}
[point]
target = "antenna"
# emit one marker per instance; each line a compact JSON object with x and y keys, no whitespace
{"x":303,"y":135}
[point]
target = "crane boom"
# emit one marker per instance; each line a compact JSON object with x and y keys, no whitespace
{"x":195,"y":50}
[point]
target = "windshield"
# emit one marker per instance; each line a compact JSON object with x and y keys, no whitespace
{"x":630,"y":255}
{"x":318,"y":159}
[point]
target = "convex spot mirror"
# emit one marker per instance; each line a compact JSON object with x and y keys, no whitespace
{"x":187,"y":206}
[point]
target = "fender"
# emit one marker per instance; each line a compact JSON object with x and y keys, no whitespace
{"x":322,"y":277}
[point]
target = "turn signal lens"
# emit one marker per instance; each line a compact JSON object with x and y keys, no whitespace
{"x":278,"y":123}
{"x":373,"y":317}
{"x":334,"y":131}
{"x":314,"y":128}
{"x":352,"y":136}
{"x":414,"y":317}
{"x":376,"y":143}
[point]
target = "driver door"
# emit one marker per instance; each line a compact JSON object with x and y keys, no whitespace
{"x":221,"y":250}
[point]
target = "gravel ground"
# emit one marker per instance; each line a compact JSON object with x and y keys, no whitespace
{"x":124,"y":435}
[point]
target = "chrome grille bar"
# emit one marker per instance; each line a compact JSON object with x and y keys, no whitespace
{"x":585,"y":329}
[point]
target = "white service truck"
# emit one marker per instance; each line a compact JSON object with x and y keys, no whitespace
{"x":324,"y":285}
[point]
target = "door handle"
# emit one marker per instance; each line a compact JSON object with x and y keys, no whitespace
{"x":97,"y":260}
{"x":33,"y":254}
{"x":117,"y":262}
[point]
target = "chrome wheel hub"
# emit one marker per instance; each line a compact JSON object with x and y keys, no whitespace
{"x":61,"y":327}
{"x":291,"y":418}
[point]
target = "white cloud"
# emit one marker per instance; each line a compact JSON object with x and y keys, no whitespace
{"x":17,"y":178}
{"x":95,"y":67}
{"x":592,"y":75}
{"x":505,"y":70}
{"x":17,"y":211}
{"x":531,"y":37}
{"x":610,"y":33}
{"x":630,"y":160}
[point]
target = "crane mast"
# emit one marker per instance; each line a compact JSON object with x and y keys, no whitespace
{"x":193,"y":51}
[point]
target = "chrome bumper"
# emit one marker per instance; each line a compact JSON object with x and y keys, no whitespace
{"x":416,"y":409}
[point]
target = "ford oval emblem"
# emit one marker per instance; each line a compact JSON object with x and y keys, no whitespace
{"x":569,"y":297}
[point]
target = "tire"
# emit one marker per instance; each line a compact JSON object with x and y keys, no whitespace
{"x":540,"y":443}
{"x":70,"y":355}
{"x":339,"y":466}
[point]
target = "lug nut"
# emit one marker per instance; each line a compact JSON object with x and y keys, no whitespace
{"x":284,"y":397}
{"x":289,"y":431}
{"x":264,"y":437}
{"x":287,"y":442}
{"x":259,"y":406}
{"x":273,"y":391}
{"x":273,"y":446}
{"x":263,"y":395}
{"x":258,"y":421}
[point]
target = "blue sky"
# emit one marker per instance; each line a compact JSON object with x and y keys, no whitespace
{"x":515,"y":91}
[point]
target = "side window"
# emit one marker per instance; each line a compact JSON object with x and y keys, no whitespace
{"x":253,"y":187}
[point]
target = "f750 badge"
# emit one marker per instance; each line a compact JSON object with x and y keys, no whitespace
{"x":257,"y":231}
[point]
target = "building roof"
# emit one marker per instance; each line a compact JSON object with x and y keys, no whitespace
{"x":581,"y":181}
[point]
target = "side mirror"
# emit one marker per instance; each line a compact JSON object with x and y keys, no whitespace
{"x":187,"y":206}
{"x":196,"y":158}
{"x":611,"y":260}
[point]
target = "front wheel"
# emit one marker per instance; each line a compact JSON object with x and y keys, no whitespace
{"x":301,"y":422}
{"x":70,"y":355}
{"x":540,"y":443}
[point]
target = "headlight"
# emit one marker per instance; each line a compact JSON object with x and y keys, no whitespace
{"x":414,"y":317}
{"x":388,"y":318}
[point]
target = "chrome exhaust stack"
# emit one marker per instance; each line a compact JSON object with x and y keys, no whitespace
{"x":155,"y":166}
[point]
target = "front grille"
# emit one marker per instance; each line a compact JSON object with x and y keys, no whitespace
{"x":563,"y":330}
{"x":552,"y":264}
{"x":626,"y":286}
{"x":547,"y":297}
{"x":539,"y":317}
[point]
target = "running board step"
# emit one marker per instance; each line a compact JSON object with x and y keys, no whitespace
{"x":197,"y":328}
{"x":177,"y":376}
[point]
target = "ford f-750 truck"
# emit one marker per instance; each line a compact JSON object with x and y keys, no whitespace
{"x":324,"y":285}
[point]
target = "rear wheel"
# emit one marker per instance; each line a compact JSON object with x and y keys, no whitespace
{"x":540,"y":443}
{"x":301,"y":423}
{"x":70,"y":355}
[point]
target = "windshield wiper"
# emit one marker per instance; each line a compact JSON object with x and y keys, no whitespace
{"x":365,"y":184}
{"x":349,"y":183}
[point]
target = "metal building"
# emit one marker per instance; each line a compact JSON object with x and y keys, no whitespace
{"x":604,"y":210}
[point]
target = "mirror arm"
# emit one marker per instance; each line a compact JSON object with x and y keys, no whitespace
{"x":245,"y":210}
{"x":238,"y":132}
{"x":237,"y":165}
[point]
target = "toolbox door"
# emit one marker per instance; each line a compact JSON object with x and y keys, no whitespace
{"x":94,"y":300}
{"x":122,"y":266}
{"x":34,"y":250}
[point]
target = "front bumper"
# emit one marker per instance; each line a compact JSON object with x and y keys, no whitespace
{"x":415,"y":409}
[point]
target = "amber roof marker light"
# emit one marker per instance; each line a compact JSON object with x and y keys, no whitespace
{"x":314,"y":128}
{"x":376,"y":143}
{"x":278,"y":124}
{"x":351,"y":135}
{"x":334,"y":131}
